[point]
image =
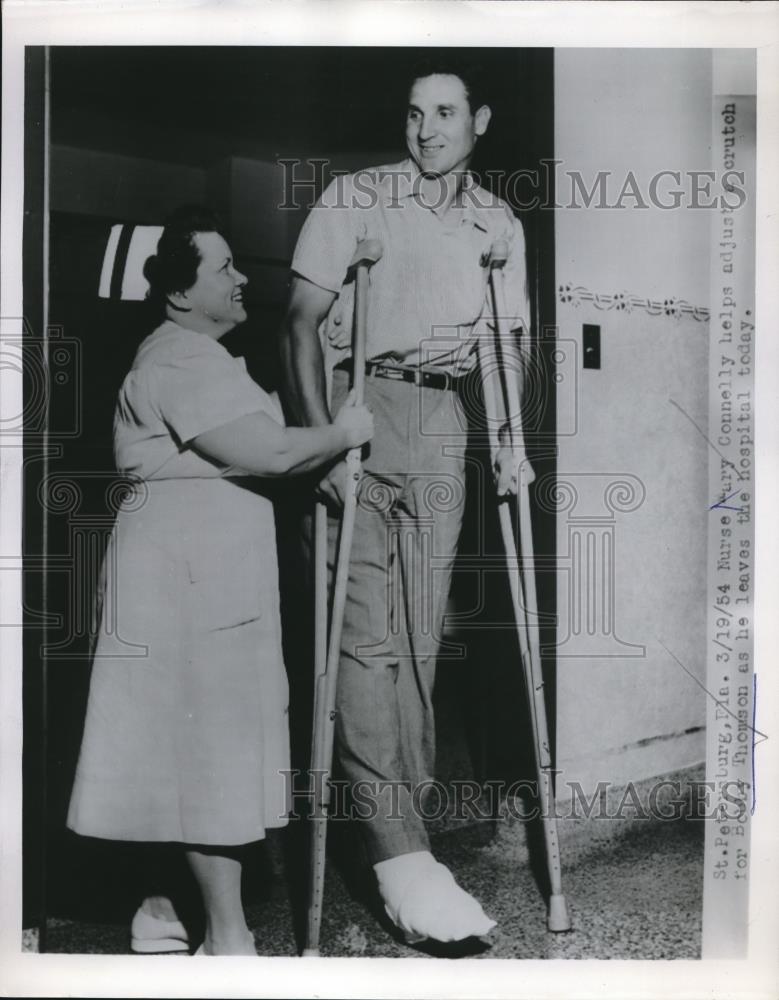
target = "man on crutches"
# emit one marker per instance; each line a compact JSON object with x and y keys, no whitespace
{"x":435,"y":226}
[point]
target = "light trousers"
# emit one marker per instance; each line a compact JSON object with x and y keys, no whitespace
{"x":407,"y":525}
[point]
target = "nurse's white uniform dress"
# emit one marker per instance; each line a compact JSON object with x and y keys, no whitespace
{"x":186,"y":736}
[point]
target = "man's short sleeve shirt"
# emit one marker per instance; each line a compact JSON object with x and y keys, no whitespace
{"x":430,"y":286}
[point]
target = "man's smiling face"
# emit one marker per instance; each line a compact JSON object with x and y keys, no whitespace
{"x":441,"y":129}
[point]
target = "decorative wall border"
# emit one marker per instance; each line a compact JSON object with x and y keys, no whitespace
{"x":574,"y":295}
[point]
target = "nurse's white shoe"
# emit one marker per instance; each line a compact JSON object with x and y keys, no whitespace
{"x":423,"y":900}
{"x":151,"y":935}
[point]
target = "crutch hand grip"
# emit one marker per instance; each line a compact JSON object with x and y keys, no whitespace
{"x":512,"y":471}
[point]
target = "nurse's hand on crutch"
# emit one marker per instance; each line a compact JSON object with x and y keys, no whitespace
{"x":501,"y":371}
{"x":328,"y":653}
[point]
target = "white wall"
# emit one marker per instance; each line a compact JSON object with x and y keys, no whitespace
{"x":631,"y":711}
{"x":640,"y":110}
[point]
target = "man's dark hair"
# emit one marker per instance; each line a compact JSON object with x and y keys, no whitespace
{"x":466,"y":69}
{"x":174,"y":267}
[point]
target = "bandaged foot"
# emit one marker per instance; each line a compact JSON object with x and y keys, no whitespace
{"x":422,"y":898}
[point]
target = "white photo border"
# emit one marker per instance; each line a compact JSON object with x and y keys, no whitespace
{"x":400,"y":22}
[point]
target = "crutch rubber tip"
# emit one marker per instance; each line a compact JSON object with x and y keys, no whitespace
{"x":310,"y":953}
{"x":558,"y":918}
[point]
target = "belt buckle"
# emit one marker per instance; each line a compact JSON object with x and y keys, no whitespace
{"x":419,"y":377}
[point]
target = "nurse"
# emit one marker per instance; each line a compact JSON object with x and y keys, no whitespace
{"x":186,"y":734}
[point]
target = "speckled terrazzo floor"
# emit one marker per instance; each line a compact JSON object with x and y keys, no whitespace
{"x":636,"y":898}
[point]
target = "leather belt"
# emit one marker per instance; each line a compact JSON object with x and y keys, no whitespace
{"x":418,"y":376}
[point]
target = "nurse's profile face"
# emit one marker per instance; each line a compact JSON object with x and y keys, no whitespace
{"x":214,"y":304}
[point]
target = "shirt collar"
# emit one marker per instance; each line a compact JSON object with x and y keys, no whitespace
{"x":400,"y":181}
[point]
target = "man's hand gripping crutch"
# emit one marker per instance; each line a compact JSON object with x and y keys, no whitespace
{"x":499,"y":363}
{"x":328,"y":651}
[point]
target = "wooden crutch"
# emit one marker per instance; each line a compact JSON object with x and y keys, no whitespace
{"x":522,"y":584}
{"x":327,"y":654}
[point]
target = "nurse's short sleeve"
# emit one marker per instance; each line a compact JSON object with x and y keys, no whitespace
{"x":328,"y":238}
{"x":199,"y":389}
